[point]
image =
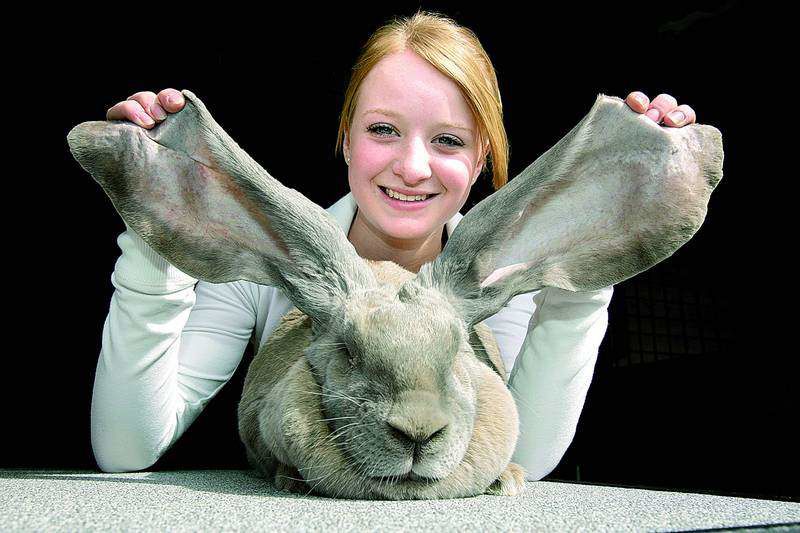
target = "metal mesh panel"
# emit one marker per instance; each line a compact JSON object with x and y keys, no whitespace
{"x":665,"y":313}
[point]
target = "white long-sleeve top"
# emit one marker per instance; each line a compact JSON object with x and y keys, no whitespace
{"x":171,"y":342}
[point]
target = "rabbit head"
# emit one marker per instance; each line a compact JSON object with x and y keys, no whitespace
{"x":615,"y":196}
{"x":390,"y":417}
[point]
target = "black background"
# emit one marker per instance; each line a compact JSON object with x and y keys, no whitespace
{"x":718,"y":420}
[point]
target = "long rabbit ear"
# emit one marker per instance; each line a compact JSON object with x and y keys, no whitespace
{"x":615,"y":196}
{"x":208,"y":208}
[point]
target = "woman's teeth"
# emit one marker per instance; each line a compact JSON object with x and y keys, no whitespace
{"x":398,"y":196}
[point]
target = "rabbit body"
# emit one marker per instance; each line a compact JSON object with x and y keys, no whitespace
{"x":387,"y":373}
{"x":282,"y":420}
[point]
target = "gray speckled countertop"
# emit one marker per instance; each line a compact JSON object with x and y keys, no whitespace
{"x":236,"y":500}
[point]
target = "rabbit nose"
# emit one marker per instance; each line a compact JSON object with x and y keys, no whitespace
{"x":418,"y":436}
{"x":417,"y":417}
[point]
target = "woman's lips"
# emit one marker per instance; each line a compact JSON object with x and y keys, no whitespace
{"x":403,"y":205}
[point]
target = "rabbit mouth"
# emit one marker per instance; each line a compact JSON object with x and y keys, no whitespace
{"x":409,"y":476}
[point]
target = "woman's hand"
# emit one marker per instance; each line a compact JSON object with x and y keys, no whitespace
{"x":146,"y":109}
{"x":663,"y":107}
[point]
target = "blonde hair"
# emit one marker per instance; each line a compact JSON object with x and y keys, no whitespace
{"x":456,"y":52}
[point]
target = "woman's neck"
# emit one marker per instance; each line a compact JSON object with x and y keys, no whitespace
{"x":409,"y":254}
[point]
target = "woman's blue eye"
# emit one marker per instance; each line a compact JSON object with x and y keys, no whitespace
{"x":374,"y":128}
{"x":454,"y":142}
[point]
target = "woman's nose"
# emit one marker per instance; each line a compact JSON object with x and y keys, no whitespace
{"x":413,"y":165}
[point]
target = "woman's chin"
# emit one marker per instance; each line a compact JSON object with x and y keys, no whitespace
{"x":407,"y":229}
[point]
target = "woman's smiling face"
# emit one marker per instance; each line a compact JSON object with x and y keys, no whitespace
{"x":413,"y":132}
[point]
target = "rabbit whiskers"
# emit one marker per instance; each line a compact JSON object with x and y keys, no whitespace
{"x":364,"y":467}
{"x":332,"y":437}
{"x":341,"y":394}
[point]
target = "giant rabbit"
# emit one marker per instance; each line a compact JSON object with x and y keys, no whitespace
{"x":383,"y":384}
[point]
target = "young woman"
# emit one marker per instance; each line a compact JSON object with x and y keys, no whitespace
{"x":421,"y":120}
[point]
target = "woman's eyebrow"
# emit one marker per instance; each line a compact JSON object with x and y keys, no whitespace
{"x":390,"y":113}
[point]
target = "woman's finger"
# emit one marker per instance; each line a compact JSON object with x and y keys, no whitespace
{"x":680,"y":116}
{"x":638,"y":101}
{"x":130,"y":110}
{"x":660,"y":106}
{"x":149,"y":102}
{"x":172,"y":100}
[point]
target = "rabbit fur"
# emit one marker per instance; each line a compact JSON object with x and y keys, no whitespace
{"x":281,"y":413}
{"x":380,"y":372}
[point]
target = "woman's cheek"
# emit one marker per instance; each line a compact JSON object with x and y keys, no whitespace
{"x":372,"y":158}
{"x":454,"y":175}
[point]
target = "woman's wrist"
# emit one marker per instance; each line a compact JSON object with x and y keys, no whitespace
{"x":142,"y":268}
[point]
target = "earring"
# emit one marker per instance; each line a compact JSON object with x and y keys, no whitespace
{"x":347,"y":159}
